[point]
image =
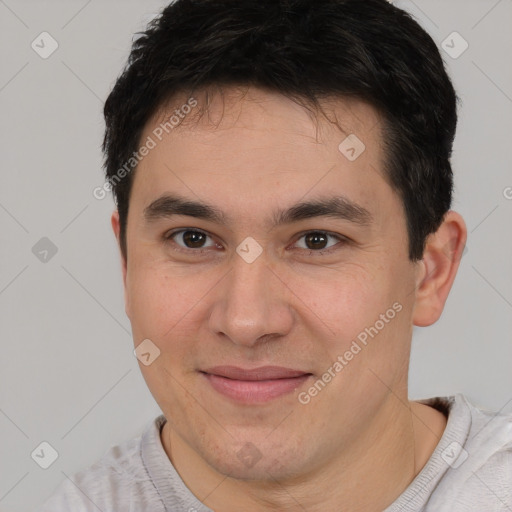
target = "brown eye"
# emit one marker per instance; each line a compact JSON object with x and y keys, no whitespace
{"x":194,"y":239}
{"x":190,"y":239}
{"x":318,"y":241}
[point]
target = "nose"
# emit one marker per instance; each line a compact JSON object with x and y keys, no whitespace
{"x":251,"y":304}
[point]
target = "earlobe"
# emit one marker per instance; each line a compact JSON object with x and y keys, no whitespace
{"x":438,"y":268}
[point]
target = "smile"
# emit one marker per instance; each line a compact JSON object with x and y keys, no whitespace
{"x":258,"y":385}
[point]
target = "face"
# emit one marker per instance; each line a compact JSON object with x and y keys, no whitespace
{"x":281,"y":326}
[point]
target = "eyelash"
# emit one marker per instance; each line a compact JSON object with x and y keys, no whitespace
{"x":168,"y":237}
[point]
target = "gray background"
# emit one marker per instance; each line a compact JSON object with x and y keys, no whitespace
{"x":67,"y":372}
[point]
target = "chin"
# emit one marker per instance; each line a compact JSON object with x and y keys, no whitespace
{"x":262,"y":471}
{"x":258,"y":461}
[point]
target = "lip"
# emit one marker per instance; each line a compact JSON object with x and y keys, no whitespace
{"x":256,"y":385}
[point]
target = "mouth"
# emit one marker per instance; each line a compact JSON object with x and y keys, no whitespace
{"x":257,"y":385}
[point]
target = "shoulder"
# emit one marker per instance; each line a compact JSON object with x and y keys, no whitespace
{"x":489,"y":454}
{"x":480,"y":476}
{"x":489,"y":440}
{"x":115,"y":482}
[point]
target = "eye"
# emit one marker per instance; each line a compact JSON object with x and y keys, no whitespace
{"x":194,"y":240}
{"x":190,"y":239}
{"x":317,"y":241}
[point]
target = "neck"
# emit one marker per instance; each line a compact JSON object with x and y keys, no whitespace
{"x":369,"y":476}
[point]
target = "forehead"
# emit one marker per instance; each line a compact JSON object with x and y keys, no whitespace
{"x":254,"y":108}
{"x":257,"y":146}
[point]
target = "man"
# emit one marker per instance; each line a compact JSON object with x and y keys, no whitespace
{"x":283,"y":185}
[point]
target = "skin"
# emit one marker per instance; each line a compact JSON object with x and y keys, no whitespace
{"x":360,"y":441}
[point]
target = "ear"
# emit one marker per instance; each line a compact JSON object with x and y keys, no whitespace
{"x":116,"y":227}
{"x":438,"y":268}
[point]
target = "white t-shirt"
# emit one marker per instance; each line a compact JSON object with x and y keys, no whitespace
{"x":470,"y":470}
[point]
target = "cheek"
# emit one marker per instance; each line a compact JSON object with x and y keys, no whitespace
{"x":169,"y":305}
{"x":365,"y":320}
{"x":157,"y":301}
{"x":169,"y":302}
{"x":343,"y":299}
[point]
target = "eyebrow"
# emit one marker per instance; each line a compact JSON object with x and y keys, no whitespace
{"x":338,"y":207}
